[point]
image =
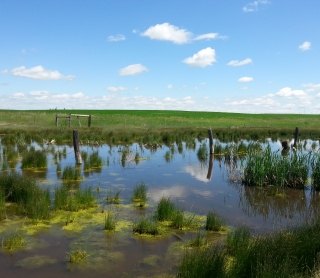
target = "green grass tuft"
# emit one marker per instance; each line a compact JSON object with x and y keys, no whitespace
{"x":146,"y":226}
{"x":139,"y":196}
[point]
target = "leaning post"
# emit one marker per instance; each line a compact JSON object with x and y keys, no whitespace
{"x":211,"y":141}
{"x":76,"y":147}
{"x":89,"y":121}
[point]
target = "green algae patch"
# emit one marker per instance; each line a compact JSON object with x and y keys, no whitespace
{"x":14,"y":242}
{"x":32,"y":228}
{"x":151,"y":260}
{"x":36,"y":262}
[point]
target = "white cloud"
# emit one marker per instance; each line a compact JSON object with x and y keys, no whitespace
{"x":39,"y":73}
{"x":311,"y":87}
{"x":208,"y":37}
{"x":254,"y":6}
{"x":245,"y":79}
{"x":240,"y":63}
{"x":116,"y":38}
{"x":116,"y":89}
{"x":167,"y":32}
{"x":305,"y":46}
{"x":203,"y":58}
{"x":288,"y":92}
{"x":133,"y":70}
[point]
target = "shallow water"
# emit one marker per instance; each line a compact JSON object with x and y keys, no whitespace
{"x":171,"y":171}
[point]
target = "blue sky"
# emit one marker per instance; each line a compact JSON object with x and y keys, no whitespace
{"x":208,"y":55}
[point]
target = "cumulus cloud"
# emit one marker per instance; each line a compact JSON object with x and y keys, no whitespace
{"x":254,"y":6}
{"x":245,"y":79}
{"x":305,"y":46}
{"x":116,"y":38}
{"x":311,"y":87}
{"x":167,"y":32}
{"x":133,"y":70}
{"x":203,"y":58}
{"x":39,"y":73}
{"x":116,"y":89}
{"x":288,"y":92}
{"x":240,"y":63}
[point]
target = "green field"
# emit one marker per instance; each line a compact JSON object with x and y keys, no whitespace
{"x":126,"y":122}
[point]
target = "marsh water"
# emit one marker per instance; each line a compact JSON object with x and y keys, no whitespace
{"x":197,"y":185}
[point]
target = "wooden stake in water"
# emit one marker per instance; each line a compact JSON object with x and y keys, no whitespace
{"x":76,"y":147}
{"x":296,"y":134}
{"x":211,"y":141}
{"x":209,"y":174}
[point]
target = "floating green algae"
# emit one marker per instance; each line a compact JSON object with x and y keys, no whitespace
{"x":36,"y":262}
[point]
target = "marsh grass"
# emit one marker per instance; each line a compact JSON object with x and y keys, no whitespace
{"x":77,"y":256}
{"x":13,"y":242}
{"x":213,"y":222}
{"x":73,"y":200}
{"x":269,"y":168}
{"x":166,"y":209}
{"x":200,"y":240}
{"x":32,"y":201}
{"x":34,"y":159}
{"x":2,"y":205}
{"x":291,"y":253}
{"x":113,"y":197}
{"x":109,"y":221}
{"x":146,"y":226}
{"x":178,"y":220}
{"x":139,"y":196}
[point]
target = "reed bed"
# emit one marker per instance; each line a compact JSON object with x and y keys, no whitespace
{"x":270,"y":168}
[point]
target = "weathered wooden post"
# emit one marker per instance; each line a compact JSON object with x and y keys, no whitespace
{"x":89,"y":121}
{"x":56,"y":120}
{"x":76,"y":147}
{"x":211,"y":141}
{"x":69,"y":120}
{"x":296,"y":134}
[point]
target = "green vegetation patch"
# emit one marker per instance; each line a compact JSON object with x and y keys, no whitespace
{"x":34,"y":262}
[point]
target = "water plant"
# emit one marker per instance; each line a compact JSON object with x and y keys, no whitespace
{"x":13,"y":242}
{"x":2,"y":205}
{"x":200,"y":240}
{"x":165,"y":209}
{"x":316,"y":173}
{"x":146,"y":226}
{"x":139,"y":196}
{"x":168,"y":156}
{"x":34,"y":159}
{"x":213,"y":222}
{"x":77,"y":256}
{"x":109,"y":222}
{"x":178,"y":219}
{"x":92,"y":161}
{"x":113,"y":197}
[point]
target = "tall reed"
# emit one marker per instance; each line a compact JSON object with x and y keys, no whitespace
{"x":34,"y":159}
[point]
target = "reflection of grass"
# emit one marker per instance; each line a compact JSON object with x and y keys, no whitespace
{"x":13,"y":242}
{"x":140,"y":194}
{"x":203,"y":153}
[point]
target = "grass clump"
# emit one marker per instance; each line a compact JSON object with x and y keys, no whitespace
{"x":139,"y":196}
{"x":268,"y":168}
{"x":92,"y":161}
{"x":70,"y":173}
{"x":73,"y":200}
{"x":109,"y":222}
{"x":146,"y":226}
{"x":13,"y":242}
{"x":213,"y":222}
{"x":34,"y":159}
{"x":316,"y":173}
{"x":165,"y":209}
{"x":77,"y":256}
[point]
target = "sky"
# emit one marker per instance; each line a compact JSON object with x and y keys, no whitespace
{"x":250,"y":56}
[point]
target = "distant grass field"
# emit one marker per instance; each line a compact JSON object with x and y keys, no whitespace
{"x":152,"y":121}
